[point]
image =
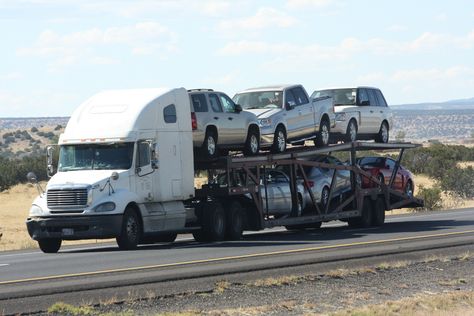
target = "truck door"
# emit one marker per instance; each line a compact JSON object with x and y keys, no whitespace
{"x":300,"y":117}
{"x":143,"y":171}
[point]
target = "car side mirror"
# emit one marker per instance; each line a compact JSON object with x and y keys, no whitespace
{"x":365,"y":102}
{"x":238,"y":108}
{"x":289,"y":106}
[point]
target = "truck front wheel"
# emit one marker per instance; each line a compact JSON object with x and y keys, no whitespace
{"x":50,"y":245}
{"x":131,"y":229}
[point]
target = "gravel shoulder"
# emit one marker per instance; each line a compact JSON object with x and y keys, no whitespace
{"x":432,"y":285}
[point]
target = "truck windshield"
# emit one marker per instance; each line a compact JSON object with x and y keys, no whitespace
{"x":259,"y":100}
{"x":340,"y":96}
{"x":95,"y":156}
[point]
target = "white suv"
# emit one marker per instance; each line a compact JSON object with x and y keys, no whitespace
{"x":361,"y":113}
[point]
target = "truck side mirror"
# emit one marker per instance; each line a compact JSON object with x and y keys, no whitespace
{"x":364,"y":102}
{"x":238,"y":108}
{"x":289,"y":106}
{"x":49,"y":159}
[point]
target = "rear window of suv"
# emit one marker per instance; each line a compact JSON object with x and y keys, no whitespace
{"x":199,"y":102}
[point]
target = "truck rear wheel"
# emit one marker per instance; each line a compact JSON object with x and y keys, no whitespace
{"x":131,"y":230}
{"x":322,"y":138}
{"x":365,"y":220}
{"x":379,"y":212}
{"x":235,"y":222}
{"x":213,"y":223}
{"x":50,"y":245}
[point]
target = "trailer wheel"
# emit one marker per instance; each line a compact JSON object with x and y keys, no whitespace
{"x":50,"y":245}
{"x":213,"y":223}
{"x":235,"y":222}
{"x":365,"y":220}
{"x":131,"y":230}
{"x":379,"y":212}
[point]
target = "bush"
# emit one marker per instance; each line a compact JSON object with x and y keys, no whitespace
{"x":431,"y":196}
{"x":459,"y":181}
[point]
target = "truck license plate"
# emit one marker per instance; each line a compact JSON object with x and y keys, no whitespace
{"x":68,"y":231}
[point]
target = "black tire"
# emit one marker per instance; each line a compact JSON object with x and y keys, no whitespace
{"x":235,"y":222}
{"x":209,"y":147}
{"x":324,"y":197}
{"x":378,"y":212}
{"x":50,"y":245}
{"x":252,"y":144}
{"x":351,"y":132}
{"x":131,"y":230}
{"x":279,"y":140}
{"x":365,"y":220}
{"x":213,"y":223}
{"x":409,"y":190}
{"x":383,"y":135}
{"x":322,"y":138}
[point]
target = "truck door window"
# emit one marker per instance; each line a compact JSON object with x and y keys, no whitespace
{"x":215,"y":103}
{"x":227,"y":104}
{"x":372,"y":97}
{"x":290,"y":98}
{"x":143,"y":154}
{"x":199,"y":102}
{"x":363,"y":97}
{"x":300,"y":96}
{"x":169,"y":114}
{"x":380,"y":98}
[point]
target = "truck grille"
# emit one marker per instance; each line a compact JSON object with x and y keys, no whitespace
{"x":67,"y":198}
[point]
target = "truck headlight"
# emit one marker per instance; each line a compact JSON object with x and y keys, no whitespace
{"x":265,"y":122}
{"x":35,"y":210}
{"x":105,"y":207}
{"x":340,"y":116}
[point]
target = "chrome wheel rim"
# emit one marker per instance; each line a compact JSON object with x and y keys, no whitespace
{"x":281,"y":141}
{"x":324,"y":197}
{"x":353,"y":131}
{"x":325,"y":134}
{"x":384,"y":133}
{"x":211,"y":145}
{"x":253,"y":144}
{"x":409,"y":189}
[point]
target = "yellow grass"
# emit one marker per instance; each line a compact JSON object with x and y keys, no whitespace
{"x":15,"y":204}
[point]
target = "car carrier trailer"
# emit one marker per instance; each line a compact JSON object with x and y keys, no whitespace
{"x":244,"y":206}
{"x":127,"y":170}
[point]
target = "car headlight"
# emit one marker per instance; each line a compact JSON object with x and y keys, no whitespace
{"x":35,"y":210}
{"x":105,"y":207}
{"x":265,"y":122}
{"x":340,"y":116}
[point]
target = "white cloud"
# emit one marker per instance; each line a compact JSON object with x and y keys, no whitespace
{"x":12,"y":76}
{"x":264,"y":18}
{"x":303,"y":4}
{"x":73,"y":48}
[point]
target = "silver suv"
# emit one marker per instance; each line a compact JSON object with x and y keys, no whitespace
{"x":219,"y":123}
{"x":361,"y":113}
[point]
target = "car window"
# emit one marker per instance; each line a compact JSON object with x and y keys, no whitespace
{"x":199,"y":102}
{"x":300,"y":96}
{"x":380,"y":98}
{"x":390,"y":164}
{"x":372,"y":97}
{"x":143,"y":152}
{"x":371,"y":162}
{"x":169,"y":114}
{"x":290,"y":98}
{"x":227,"y":103}
{"x":362,"y":96}
{"x":215,"y":103}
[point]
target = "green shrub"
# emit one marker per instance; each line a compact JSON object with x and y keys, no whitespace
{"x":431,"y":196}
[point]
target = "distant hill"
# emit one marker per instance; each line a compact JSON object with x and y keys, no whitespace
{"x":460,"y":104}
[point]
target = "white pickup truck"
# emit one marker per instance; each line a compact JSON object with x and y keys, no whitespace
{"x":287,"y":115}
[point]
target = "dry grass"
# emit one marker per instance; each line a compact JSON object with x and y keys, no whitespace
{"x":393,"y":265}
{"x":15,"y":204}
{"x":445,"y":304}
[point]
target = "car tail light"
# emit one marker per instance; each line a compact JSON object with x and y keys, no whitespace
{"x":194,"y":123}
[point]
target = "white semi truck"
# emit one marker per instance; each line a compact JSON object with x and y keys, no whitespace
{"x":126,"y":170}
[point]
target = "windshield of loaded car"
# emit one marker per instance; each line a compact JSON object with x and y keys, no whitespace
{"x":110,"y":156}
{"x":259,"y":100}
{"x":340,"y":96}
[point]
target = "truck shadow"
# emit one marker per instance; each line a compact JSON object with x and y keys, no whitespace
{"x":321,"y":236}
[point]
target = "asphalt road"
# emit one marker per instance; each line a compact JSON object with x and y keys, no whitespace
{"x":29,"y":273}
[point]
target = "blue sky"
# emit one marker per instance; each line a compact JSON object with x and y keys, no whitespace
{"x":56,"y":53}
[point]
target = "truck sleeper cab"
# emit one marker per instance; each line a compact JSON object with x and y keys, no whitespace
{"x":125,"y":166}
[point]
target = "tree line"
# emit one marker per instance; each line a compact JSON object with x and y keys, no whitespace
{"x":13,"y":171}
